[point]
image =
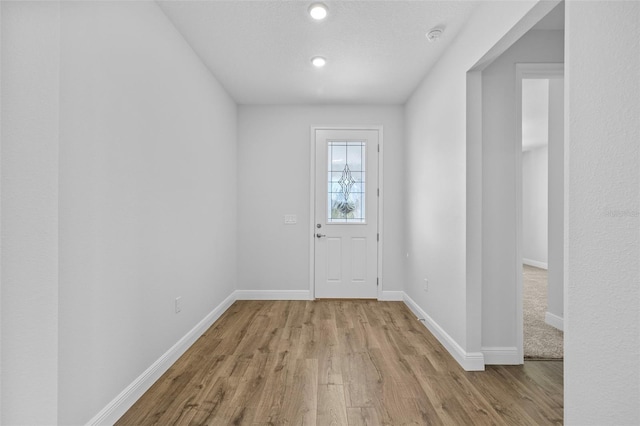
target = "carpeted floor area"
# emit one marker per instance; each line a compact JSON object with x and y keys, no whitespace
{"x":541,"y":341}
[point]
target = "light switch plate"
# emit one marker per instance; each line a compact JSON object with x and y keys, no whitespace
{"x":290,"y":219}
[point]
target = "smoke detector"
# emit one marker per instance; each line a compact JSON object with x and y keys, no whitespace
{"x":434,"y":34}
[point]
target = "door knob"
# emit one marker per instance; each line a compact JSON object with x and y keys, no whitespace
{"x":320,"y":235}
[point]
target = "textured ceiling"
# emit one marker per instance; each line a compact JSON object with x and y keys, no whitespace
{"x":260,"y":51}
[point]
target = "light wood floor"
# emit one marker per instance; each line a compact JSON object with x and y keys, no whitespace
{"x":339,"y":362}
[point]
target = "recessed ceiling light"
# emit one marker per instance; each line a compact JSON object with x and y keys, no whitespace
{"x":434,"y":34}
{"x":318,"y":11}
{"x":318,"y":61}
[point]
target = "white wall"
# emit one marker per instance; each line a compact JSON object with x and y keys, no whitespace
{"x":273,"y":180}
{"x":500,"y":142}
{"x":535,"y":206}
{"x":535,"y":113}
{"x":555,"y":253}
{"x":147,"y":197}
{"x":435,"y":176}
{"x":602,"y":319}
{"x":118,"y":174}
{"x":30,"y":59}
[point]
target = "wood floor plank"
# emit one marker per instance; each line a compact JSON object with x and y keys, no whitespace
{"x":211,"y":407}
{"x":342,"y":362}
{"x":252,"y":383}
{"x":537,"y":404}
{"x":362,"y":417}
{"x":273,"y":397}
{"x":344,"y":319}
{"x":473,"y":401}
{"x":330,"y":367}
{"x":503,"y":399}
{"x":301,"y":395}
{"x":332,"y":409}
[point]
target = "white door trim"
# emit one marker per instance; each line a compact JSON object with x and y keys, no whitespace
{"x":533,"y":71}
{"x":312,"y":200}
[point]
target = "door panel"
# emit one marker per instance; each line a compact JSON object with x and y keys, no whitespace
{"x":346,"y":213}
{"x":358,"y":254}
{"x":334,"y":259}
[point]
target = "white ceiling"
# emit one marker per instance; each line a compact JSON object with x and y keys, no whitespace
{"x":554,"y":20}
{"x":260,"y":51}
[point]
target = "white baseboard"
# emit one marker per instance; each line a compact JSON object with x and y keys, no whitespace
{"x":391,"y":296}
{"x":273,"y":295}
{"x":121,"y":403}
{"x":537,"y":264}
{"x":501,"y":356}
{"x":470,"y":361}
{"x":554,"y":320}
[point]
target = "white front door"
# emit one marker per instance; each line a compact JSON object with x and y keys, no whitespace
{"x":346,"y":213}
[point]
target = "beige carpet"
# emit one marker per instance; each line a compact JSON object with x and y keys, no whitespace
{"x":541,"y":341}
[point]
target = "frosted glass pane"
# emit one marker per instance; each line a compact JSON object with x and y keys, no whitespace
{"x":355,"y":158}
{"x":337,"y":157}
{"x":346,"y":182}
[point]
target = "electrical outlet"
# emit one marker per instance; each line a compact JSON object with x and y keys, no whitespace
{"x":425,"y":286}
{"x":178,"y":304}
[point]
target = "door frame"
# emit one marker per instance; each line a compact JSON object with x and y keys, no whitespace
{"x":312,"y":201}
{"x":538,"y":70}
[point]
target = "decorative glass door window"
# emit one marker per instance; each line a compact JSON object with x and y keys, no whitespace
{"x":346,"y":189}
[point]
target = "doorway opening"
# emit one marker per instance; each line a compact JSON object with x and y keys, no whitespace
{"x":494,"y":180}
{"x":541,"y":202}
